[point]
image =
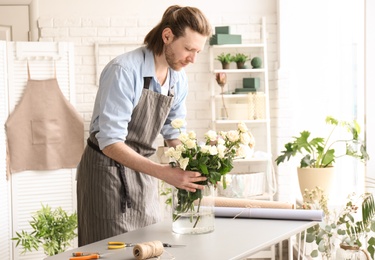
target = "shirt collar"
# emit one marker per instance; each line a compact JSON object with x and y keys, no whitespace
{"x":149,"y":68}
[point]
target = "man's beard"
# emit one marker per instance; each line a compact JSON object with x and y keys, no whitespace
{"x":170,"y":58}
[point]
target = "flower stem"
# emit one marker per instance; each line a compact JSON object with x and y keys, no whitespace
{"x":199,"y":216}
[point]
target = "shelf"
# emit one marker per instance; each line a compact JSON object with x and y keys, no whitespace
{"x":243,"y":106}
{"x":252,"y":160}
{"x":259,"y":121}
{"x":250,"y":45}
{"x":233,"y":96}
{"x":239,"y":70}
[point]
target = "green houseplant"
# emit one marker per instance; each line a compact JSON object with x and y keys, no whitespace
{"x":349,"y":228}
{"x":240,"y":59}
{"x":53,"y":229}
{"x":319,"y":152}
{"x":225,"y":59}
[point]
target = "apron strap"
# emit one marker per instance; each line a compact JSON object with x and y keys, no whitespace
{"x":146,"y":85}
{"x":125,"y":200}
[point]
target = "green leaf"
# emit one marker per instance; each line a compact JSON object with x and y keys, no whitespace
{"x":314,"y":253}
{"x":310,"y":238}
{"x":322,"y":247}
{"x":328,"y":158}
{"x":286,"y":154}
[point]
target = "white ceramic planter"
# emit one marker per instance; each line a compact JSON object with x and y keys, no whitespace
{"x":310,"y":178}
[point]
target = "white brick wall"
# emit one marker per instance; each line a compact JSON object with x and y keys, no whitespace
{"x":86,"y":31}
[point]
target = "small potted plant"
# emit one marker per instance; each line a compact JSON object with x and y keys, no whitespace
{"x":225,"y":59}
{"x":318,"y":154}
{"x":53,"y":229}
{"x":240,"y":59}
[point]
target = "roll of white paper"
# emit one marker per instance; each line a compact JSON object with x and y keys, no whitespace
{"x":288,"y":214}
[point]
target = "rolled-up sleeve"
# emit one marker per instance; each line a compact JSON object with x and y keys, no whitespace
{"x":116,"y":105}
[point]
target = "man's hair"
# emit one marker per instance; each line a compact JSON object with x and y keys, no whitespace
{"x":177,"y":18}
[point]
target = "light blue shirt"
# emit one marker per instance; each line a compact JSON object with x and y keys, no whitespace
{"x":120,"y":87}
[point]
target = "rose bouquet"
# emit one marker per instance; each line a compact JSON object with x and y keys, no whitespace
{"x":213,"y":158}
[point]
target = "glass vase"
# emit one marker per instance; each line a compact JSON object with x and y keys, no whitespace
{"x":193,"y":212}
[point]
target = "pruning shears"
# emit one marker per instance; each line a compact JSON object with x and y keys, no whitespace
{"x":84,"y":256}
{"x":118,"y":245}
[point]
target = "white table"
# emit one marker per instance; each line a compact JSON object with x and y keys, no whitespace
{"x":231,"y":239}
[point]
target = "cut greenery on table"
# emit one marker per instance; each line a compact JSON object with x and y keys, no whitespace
{"x":350,"y":227}
{"x":53,"y":229}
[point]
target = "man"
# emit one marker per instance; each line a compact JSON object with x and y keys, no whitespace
{"x":140,"y":93}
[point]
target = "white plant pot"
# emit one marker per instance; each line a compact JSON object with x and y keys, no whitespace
{"x":310,"y":178}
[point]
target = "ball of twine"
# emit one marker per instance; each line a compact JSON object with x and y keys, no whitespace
{"x":148,"y":249}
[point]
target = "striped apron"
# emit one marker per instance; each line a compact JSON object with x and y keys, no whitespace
{"x":113,"y":199}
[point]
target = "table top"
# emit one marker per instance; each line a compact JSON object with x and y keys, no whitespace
{"x":231,"y":239}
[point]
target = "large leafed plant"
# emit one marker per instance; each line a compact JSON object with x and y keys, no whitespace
{"x":319,"y":152}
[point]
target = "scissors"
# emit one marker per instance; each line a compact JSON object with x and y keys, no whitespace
{"x":118,"y":245}
{"x":84,"y":256}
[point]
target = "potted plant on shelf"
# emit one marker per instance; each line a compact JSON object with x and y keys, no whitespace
{"x":225,"y":59}
{"x":53,"y":229}
{"x":240,"y":59}
{"x":318,"y":154}
{"x":343,"y":232}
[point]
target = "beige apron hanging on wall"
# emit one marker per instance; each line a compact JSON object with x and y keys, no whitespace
{"x":44,"y":132}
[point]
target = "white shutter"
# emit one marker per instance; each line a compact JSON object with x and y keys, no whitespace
{"x":29,"y":189}
{"x":5,"y":226}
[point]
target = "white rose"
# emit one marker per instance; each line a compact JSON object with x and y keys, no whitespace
{"x":178,"y":123}
{"x":233,"y":136}
{"x":213,"y":150}
{"x":223,"y":134}
{"x":184,"y":137}
{"x":191,"y":144}
{"x":183,"y":162}
{"x":221,"y":151}
{"x":242,"y":127}
{"x":176,"y":155}
{"x":220,"y":140}
{"x":245,"y":138}
{"x":169,"y":152}
{"x":192,"y":135}
{"x":180,"y":148}
{"x":205,"y":148}
{"x":211,"y":135}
